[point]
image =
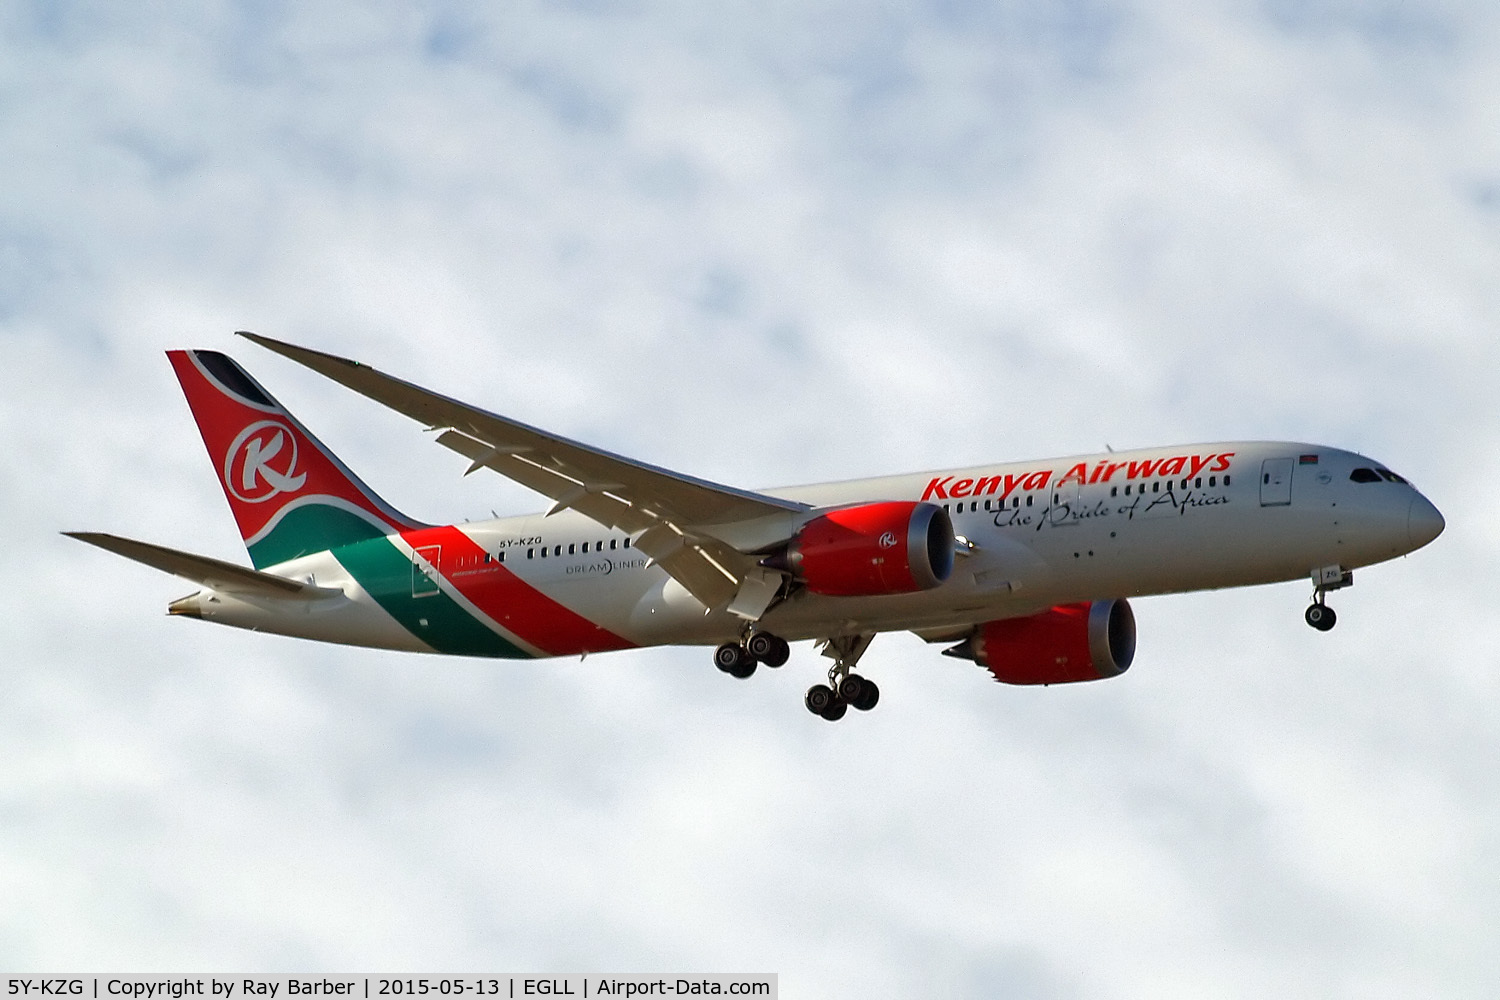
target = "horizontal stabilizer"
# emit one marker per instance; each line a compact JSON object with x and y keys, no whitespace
{"x":214,"y":574}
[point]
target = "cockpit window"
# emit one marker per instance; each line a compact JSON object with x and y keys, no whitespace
{"x":1375,"y":476}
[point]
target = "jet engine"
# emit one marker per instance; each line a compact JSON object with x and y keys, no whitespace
{"x":1071,"y":642}
{"x":893,"y":547}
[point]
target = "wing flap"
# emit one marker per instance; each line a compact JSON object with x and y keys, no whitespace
{"x":215,"y":574}
{"x":591,"y":499}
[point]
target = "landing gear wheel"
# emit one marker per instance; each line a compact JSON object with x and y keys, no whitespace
{"x":819,"y":698}
{"x":1321,"y":617}
{"x":768,"y":649}
{"x":734,"y":660}
{"x":728,"y":656}
{"x":860,"y":692}
{"x":852,"y":689}
{"x":835,"y":711}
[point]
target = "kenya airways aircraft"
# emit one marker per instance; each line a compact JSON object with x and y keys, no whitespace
{"x":1024,"y":568}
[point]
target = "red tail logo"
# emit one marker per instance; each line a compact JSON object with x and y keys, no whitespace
{"x":249,"y":472}
{"x":289,"y":494}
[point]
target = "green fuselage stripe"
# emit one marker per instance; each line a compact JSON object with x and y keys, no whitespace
{"x":386,"y":574}
{"x":315,"y":527}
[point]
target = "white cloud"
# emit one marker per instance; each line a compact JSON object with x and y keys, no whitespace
{"x":761,"y":245}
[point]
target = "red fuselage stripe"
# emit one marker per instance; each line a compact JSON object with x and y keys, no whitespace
{"x":513,"y":604}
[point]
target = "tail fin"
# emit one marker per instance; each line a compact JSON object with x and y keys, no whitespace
{"x":289,"y":494}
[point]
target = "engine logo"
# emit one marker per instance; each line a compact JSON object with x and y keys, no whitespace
{"x":888,"y":540}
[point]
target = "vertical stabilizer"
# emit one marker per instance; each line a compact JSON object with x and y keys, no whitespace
{"x":290,"y":495}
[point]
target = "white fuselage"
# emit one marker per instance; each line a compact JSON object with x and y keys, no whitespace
{"x":1039,"y":534}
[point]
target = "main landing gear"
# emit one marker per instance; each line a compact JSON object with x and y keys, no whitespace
{"x":740,"y":659}
{"x":843,"y":689}
{"x":861,"y":692}
{"x":1319,"y":615}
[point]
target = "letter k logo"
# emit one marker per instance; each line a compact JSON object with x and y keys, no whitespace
{"x":253,"y":451}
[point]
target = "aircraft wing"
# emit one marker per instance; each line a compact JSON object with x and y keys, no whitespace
{"x":215,"y":574}
{"x":668,"y":507}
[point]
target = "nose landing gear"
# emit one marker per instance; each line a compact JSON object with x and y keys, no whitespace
{"x":1319,"y":615}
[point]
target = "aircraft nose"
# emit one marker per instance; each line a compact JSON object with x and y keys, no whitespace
{"x":1423,"y":522}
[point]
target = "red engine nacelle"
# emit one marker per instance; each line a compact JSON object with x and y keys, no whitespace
{"x":894,"y":547}
{"x":1071,"y":642}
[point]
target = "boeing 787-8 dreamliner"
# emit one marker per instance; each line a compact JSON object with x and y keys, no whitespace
{"x":1024,"y":568}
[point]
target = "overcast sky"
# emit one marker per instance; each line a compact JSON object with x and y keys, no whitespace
{"x":761,"y":243}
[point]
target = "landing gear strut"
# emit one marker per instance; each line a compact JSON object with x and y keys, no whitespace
{"x":844,"y":689}
{"x":1319,"y":615}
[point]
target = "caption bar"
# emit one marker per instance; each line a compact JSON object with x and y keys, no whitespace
{"x":362,"y":987}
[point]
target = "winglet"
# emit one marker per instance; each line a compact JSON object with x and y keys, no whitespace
{"x":303,"y":355}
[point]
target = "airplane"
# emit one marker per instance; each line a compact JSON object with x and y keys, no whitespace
{"x":1024,"y":568}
